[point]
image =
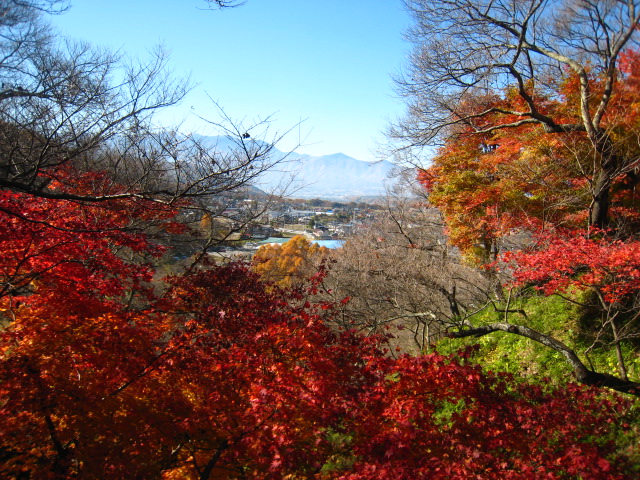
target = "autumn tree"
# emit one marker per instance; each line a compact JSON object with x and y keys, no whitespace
{"x":289,"y":264}
{"x":532,"y":105}
{"x":213,"y":381}
{"x":465,"y":50}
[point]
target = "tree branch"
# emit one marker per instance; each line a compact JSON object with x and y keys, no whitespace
{"x":582,"y":373}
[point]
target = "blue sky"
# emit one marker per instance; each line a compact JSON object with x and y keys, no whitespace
{"x":329,"y":62}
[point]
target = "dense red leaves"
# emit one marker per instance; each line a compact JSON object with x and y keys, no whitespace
{"x":222,"y":378}
{"x":219,"y":367}
{"x":74,"y":252}
{"x":278,"y":377}
{"x":610,"y":266}
{"x":439,"y":418}
{"x":222,"y":372}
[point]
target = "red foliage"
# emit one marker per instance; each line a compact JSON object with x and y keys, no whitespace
{"x":437,"y":417}
{"x":226,"y":374}
{"x":610,"y":266}
{"x":222,"y":378}
{"x":74,"y":252}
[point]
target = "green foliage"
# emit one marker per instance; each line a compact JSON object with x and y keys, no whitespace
{"x":531,"y":362}
{"x":522,"y":357}
{"x":342,"y":458}
{"x":444,"y":416}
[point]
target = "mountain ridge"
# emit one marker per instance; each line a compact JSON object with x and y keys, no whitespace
{"x":334,"y":176}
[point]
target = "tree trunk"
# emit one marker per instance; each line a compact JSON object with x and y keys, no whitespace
{"x":208,"y":469}
{"x":616,"y":337}
{"x":599,"y":214}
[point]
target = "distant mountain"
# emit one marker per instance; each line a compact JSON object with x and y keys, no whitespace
{"x":331,"y":177}
{"x":335,"y":176}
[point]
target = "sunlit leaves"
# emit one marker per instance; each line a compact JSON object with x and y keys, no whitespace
{"x":438,"y":417}
{"x":289,"y":264}
{"x":216,"y":374}
{"x":610,"y":266}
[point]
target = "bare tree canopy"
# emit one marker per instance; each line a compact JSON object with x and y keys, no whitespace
{"x":398,"y":272}
{"x":464,"y":47}
{"x":65,"y":103}
{"x":226,"y":3}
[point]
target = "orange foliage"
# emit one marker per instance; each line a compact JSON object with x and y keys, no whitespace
{"x":524,"y":178}
{"x":289,"y":264}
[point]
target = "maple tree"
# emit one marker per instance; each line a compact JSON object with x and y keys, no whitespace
{"x":74,"y":252}
{"x":490,"y":183}
{"x":537,"y":121}
{"x":230,"y":388}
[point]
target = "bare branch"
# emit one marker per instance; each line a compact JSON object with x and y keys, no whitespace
{"x":582,"y":373}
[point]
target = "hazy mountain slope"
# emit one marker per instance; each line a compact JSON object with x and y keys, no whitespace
{"x":339,"y":176}
{"x":335,"y":176}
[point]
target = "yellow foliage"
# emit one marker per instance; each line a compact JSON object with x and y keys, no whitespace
{"x":289,"y":264}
